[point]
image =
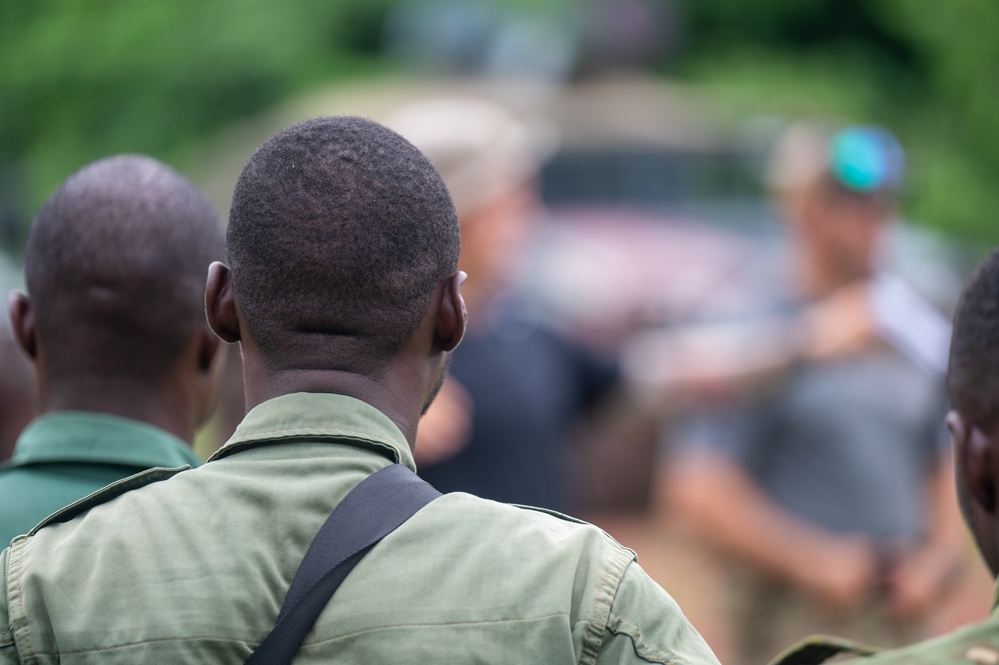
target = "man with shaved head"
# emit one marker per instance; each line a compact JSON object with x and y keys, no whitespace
{"x":343,"y":292}
{"x":114,"y":321}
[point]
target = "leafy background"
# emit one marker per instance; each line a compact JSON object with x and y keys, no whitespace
{"x":81,"y":79}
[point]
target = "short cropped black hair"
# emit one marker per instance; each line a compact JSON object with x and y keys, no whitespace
{"x":115,"y":264}
{"x":973,"y":372}
{"x":340,"y":230}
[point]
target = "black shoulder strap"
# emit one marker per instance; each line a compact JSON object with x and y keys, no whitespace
{"x":375,"y":508}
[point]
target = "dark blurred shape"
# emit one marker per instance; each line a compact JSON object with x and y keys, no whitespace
{"x":629,"y":34}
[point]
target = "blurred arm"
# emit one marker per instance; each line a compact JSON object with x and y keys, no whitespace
{"x":725,"y":506}
{"x":446,"y":427}
{"x":926,"y":572}
{"x":708,"y":361}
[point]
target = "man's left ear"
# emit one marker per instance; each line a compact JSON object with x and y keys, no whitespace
{"x":452,"y":316}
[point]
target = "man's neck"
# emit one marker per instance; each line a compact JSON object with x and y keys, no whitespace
{"x":122,"y":397}
{"x":387,"y":393}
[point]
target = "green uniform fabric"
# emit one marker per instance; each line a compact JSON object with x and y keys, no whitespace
{"x":192,"y":568}
{"x":978,"y":644}
{"x":62,"y":457}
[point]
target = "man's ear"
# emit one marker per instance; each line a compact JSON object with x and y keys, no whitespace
{"x":452,"y":316}
{"x":22,"y":318}
{"x":974,"y":456}
{"x":210,"y":350}
{"x":220,"y":303}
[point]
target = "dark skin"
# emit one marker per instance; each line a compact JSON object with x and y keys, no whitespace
{"x":977,"y":473}
{"x":402,"y":389}
{"x":179,"y":402}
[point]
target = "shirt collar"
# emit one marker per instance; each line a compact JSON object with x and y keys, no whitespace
{"x":322,"y":416}
{"x":83,"y":436}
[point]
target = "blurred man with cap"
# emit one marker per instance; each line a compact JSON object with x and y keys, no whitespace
{"x":973,"y":389}
{"x":499,"y":429}
{"x":816,"y":458}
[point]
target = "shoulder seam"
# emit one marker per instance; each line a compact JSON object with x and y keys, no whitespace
{"x":602,"y":603}
{"x":644,"y":650}
{"x":23,"y":545}
{"x":112,"y":491}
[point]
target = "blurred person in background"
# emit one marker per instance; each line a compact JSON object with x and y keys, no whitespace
{"x":813,"y":454}
{"x":114,"y":322}
{"x":500,"y":425}
{"x":973,"y":389}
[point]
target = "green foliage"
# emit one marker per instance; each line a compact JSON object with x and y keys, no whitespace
{"x":85,"y":78}
{"x":926,"y":70}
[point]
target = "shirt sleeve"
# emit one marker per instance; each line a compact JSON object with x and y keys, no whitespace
{"x":645,"y":625}
{"x":734,"y":431}
{"x":8,"y":652}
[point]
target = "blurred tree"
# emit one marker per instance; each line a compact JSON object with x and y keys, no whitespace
{"x":925,"y":70}
{"x":82,"y":79}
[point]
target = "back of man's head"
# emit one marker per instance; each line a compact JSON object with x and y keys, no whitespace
{"x":339,"y":232}
{"x":973,"y":389}
{"x":973,"y":372}
{"x":115,"y":266}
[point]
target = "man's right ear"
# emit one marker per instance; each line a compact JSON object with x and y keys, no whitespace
{"x":220,"y":303}
{"x":975,"y":460}
{"x":22,"y":319}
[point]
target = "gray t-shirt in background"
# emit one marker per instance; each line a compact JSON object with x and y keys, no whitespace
{"x":847,"y":444}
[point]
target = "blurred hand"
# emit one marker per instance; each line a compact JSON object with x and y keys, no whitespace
{"x":842,"y":573}
{"x":839,"y":324}
{"x":920,"y":581}
{"x":446,"y":427}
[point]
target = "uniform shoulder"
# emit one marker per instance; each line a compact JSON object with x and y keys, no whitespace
{"x":975,"y":644}
{"x":526,"y":516}
{"x":106,"y":494}
{"x":978,"y":644}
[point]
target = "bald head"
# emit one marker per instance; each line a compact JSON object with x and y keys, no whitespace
{"x":115,"y":266}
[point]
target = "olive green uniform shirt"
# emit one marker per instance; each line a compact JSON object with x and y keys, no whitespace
{"x":972,"y":645}
{"x":193,"y":567}
{"x":64,"y":456}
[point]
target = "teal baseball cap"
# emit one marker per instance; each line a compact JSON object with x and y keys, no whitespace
{"x":866,"y":160}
